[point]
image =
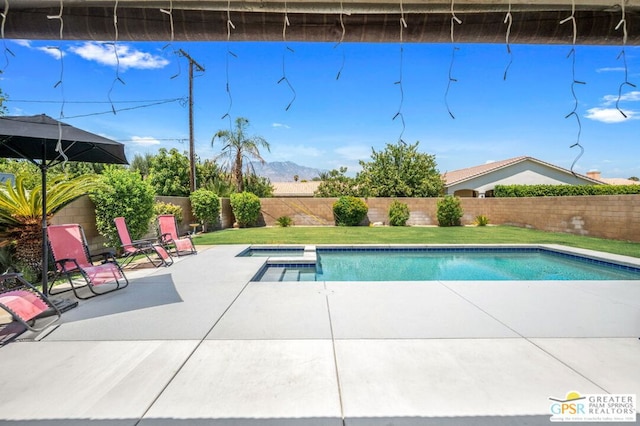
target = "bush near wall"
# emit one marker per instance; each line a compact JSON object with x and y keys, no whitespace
{"x":563,"y":190}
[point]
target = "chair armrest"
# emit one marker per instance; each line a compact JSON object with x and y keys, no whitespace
{"x":144,"y":242}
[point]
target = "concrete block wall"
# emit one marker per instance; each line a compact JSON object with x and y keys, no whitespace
{"x":608,"y":216}
{"x":83,"y":212}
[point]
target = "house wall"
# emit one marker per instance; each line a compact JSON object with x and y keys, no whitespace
{"x":607,"y":216}
{"x":524,"y":173}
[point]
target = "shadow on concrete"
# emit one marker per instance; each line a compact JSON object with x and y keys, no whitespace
{"x":142,"y":293}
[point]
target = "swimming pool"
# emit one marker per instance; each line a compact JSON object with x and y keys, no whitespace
{"x":459,"y":263}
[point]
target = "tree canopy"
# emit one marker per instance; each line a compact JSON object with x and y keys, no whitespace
{"x":237,"y":147}
{"x":397,"y":171}
{"x":400,"y":171}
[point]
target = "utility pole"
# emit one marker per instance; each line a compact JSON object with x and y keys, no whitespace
{"x":192,"y":155}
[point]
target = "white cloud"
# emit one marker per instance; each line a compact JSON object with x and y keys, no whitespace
{"x":278,"y":125}
{"x":127,"y":57}
{"x":54,"y":52}
{"x":610,"y":115}
{"x":23,"y":43}
{"x":145,"y":140}
{"x":632,"y":96}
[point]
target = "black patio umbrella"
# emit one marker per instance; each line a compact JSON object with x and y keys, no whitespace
{"x":47,"y":142}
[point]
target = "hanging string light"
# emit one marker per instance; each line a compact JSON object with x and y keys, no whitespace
{"x":287,"y":48}
{"x":623,"y":55}
{"x":169,"y":45}
{"x":60,"y":84}
{"x":508,"y":19}
{"x":574,"y":82}
{"x":403,"y":25}
{"x":339,"y":43}
{"x":454,"y":20}
{"x":7,"y":51}
{"x":115,"y":51}
{"x":228,"y":55}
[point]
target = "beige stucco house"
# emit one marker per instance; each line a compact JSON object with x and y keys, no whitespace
{"x":480,"y":181}
{"x":295,"y":189}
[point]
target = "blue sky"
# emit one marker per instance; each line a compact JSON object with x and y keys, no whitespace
{"x":335,"y":122}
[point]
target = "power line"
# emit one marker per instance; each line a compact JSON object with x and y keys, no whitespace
{"x":113,"y":110}
{"x":33,"y":101}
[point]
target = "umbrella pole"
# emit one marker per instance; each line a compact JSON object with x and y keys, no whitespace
{"x":45,"y":244}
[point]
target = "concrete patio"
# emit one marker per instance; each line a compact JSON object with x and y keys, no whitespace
{"x":199,"y":344}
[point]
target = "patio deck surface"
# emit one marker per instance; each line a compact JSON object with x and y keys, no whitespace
{"x":198,"y":344}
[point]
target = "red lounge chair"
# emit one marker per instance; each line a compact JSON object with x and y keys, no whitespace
{"x":72,"y":259}
{"x":146,"y":247}
{"x":170,"y":239}
{"x":25,"y":303}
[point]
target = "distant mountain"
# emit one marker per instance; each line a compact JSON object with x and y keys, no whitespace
{"x":284,"y":171}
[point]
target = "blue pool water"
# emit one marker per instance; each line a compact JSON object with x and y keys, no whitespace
{"x":428,"y":264}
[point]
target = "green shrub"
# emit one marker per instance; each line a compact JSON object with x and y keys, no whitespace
{"x":349,"y":211}
{"x":481,"y":220}
{"x":205,"y":205}
{"x":246,"y":208}
{"x":168,"y":208}
{"x":449,"y":211}
{"x":563,"y":190}
{"x":284,"y":221}
{"x":122,"y":193}
{"x":398,"y":213}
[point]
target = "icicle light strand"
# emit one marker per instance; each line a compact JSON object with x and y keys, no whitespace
{"x":287,"y":48}
{"x":59,"y":83}
{"x":7,"y":51}
{"x":339,"y":43}
{"x":574,"y":112}
{"x":403,"y":25}
{"x":454,"y":20}
{"x":229,"y":54}
{"x":169,"y":13}
{"x":508,"y":19}
{"x":115,"y":51}
{"x":623,"y":55}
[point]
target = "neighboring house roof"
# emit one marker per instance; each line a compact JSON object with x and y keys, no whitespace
{"x":457,"y":176}
{"x":294,"y":189}
{"x":619,"y":181}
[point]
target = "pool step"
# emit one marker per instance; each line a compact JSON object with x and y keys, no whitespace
{"x":273,"y":274}
{"x":291,"y":275}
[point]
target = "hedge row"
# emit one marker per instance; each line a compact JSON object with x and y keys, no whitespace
{"x":563,"y":190}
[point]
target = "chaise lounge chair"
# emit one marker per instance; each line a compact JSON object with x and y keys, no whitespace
{"x":73,"y":260}
{"x":25,"y":303}
{"x":170,"y":239}
{"x":146,"y":247}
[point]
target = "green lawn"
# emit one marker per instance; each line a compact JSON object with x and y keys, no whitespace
{"x":412,"y":235}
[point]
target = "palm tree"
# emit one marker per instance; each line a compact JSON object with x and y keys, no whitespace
{"x":21,"y":214}
{"x":238,"y":146}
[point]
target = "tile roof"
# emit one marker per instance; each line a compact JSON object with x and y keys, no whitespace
{"x":457,"y":176}
{"x":460,"y":175}
{"x":619,"y":181}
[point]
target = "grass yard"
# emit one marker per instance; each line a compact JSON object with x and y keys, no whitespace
{"x":412,"y":235}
